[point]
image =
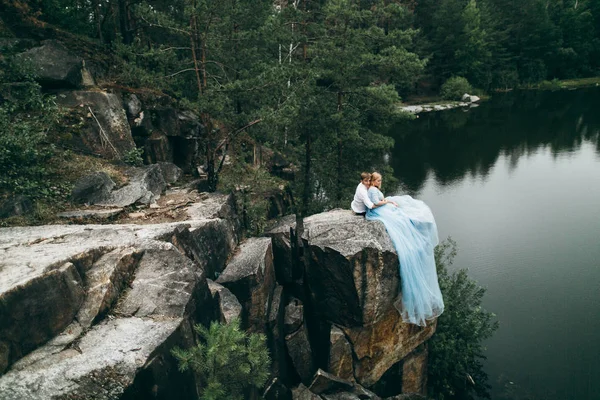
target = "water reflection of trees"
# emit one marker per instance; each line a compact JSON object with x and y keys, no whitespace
{"x":454,"y":144}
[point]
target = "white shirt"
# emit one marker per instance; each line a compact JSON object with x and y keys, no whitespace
{"x":361,"y":200}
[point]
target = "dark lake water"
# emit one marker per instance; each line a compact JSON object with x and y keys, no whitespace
{"x":516,"y":182}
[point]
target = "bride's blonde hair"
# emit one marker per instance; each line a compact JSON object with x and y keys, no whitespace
{"x":374,"y":177}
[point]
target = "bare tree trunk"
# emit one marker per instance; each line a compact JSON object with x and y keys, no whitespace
{"x":125,"y":22}
{"x":98,"y":20}
{"x":339,"y":153}
{"x":193,"y":44}
{"x":307,"y":187}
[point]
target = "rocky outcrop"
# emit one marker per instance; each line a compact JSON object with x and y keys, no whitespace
{"x":92,"y":311}
{"x":109,"y":302}
{"x":93,"y":188}
{"x":145,"y":186}
{"x":350,"y":277}
{"x":106,"y":131}
{"x":55,"y":66}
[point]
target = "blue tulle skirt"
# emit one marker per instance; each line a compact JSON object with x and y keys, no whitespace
{"x":413,"y":231}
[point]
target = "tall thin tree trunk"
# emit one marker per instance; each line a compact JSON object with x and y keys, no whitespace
{"x":193,"y":44}
{"x":339,"y":152}
{"x":98,"y":20}
{"x":125,"y":22}
{"x":306,"y":196}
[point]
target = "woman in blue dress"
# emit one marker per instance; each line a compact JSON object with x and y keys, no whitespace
{"x":413,"y":231}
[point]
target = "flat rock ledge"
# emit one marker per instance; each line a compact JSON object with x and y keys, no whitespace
{"x":92,"y":311}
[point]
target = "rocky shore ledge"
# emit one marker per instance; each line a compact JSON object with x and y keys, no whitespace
{"x":466,"y":101}
{"x":92,"y":311}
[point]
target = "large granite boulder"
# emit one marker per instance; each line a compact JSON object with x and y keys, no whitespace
{"x":352,"y":276}
{"x":352,"y":271}
{"x":55,"y":66}
{"x":93,"y":188}
{"x":145,"y":186}
{"x":92,"y":311}
{"x":251,"y":278}
{"x":106,"y":131}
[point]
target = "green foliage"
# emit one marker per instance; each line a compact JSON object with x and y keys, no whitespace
{"x":227,"y":360}
{"x":26,"y":117}
{"x":455,"y":87}
{"x":550,"y":85}
{"x":456,"y":350}
{"x":134,"y":157}
{"x":253,"y":187}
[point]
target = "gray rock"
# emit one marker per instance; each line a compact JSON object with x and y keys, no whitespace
{"x":301,"y":353}
{"x":90,"y":214}
{"x":229,"y":306}
{"x":38,"y":309}
{"x":326,"y":383}
{"x":251,"y":278}
{"x":158,"y":148}
{"x":101,"y":366}
{"x":353,"y":278}
{"x":294,"y":316}
{"x":340,"y":355}
{"x":145,"y":186}
{"x":276,"y":336}
{"x":16,"y":205}
{"x":46,"y":272}
{"x":353,"y":270}
{"x":286,"y":269}
{"x":113,"y":300}
{"x":133,"y":105}
{"x":55,"y":66}
{"x":466,"y":97}
{"x":164,"y":283}
{"x":106,"y":131}
{"x":302,"y":393}
{"x":171,"y":172}
{"x":92,"y":188}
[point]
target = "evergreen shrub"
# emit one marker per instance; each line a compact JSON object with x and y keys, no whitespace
{"x":228,"y":360}
{"x":455,"y":87}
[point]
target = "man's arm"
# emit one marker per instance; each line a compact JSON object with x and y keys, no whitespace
{"x":365,"y":198}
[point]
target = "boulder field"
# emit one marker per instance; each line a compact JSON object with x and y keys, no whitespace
{"x":92,"y":311}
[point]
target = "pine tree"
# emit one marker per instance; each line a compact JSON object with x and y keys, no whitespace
{"x":227,"y":360}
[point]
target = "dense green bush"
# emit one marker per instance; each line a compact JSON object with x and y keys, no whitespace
{"x":455,"y":370}
{"x":227,"y":360}
{"x":26,"y":117}
{"x":455,"y":87}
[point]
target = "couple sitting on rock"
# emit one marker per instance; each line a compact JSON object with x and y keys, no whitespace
{"x":413,"y":231}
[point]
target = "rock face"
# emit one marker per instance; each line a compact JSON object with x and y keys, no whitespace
{"x":352,"y":270}
{"x":93,"y":188}
{"x":229,"y":306}
{"x":351,"y":280}
{"x":55,"y":66}
{"x":107,"y":130}
{"x":145,"y":186}
{"x":251,"y":278}
{"x":92,"y":311}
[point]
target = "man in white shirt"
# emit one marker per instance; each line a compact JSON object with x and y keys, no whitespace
{"x":361,"y":201}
